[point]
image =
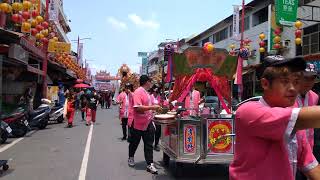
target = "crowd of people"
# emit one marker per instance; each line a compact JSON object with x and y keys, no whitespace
{"x":136,"y":113}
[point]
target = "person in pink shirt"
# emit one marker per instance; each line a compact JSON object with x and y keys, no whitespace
{"x":307,"y":98}
{"x":142,"y":126}
{"x":267,"y":146}
{"x":156,"y":99}
{"x":126,"y":109}
{"x":192,"y":102}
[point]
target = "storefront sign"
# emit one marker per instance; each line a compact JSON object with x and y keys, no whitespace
{"x":18,"y":53}
{"x":189,"y":139}
{"x":59,"y":47}
{"x":54,"y":11}
{"x":236,"y":21}
{"x":218,"y":139}
{"x":25,"y":43}
{"x":286,"y":12}
{"x":52,"y":93}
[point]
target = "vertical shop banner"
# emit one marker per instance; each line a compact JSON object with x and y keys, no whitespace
{"x":80,"y":53}
{"x":189,"y":139}
{"x":217,"y":141}
{"x":54,"y":11}
{"x":286,"y":12}
{"x":236,"y":21}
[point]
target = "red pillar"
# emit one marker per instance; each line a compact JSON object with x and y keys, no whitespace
{"x":45,"y":60}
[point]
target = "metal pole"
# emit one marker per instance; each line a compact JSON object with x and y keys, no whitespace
{"x":240,"y":88}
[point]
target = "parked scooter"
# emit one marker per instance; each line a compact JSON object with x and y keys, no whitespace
{"x":56,"y":113}
{"x":18,"y":122}
{"x":39,"y":117}
{"x":5,"y":131}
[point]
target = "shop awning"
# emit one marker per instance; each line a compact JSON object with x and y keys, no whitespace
{"x":8,"y":37}
{"x":35,"y":70}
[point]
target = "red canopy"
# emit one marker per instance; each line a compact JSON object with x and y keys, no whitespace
{"x":183,"y":85}
{"x":81,"y":85}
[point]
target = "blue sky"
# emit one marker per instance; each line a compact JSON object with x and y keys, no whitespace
{"x":120,"y":29}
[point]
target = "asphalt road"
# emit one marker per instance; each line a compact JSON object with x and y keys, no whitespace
{"x":59,"y":153}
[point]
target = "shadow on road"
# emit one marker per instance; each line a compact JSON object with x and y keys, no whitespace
{"x":4,"y":173}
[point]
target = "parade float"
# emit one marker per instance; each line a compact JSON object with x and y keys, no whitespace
{"x":127,"y":76}
{"x":206,"y":138}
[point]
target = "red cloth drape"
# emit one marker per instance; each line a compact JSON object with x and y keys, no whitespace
{"x":184,"y":84}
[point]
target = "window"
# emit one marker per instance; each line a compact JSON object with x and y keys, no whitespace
{"x":311,"y":40}
{"x":306,"y":1}
{"x":231,"y":30}
{"x":221,"y":35}
{"x":260,"y":17}
{"x":246,"y":23}
{"x":205,"y":41}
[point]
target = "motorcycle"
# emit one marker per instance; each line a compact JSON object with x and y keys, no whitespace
{"x":39,"y":117}
{"x":5,"y":131}
{"x":56,"y":113}
{"x":18,"y":122}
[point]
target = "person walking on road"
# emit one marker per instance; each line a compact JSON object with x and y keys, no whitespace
{"x":126,"y":109}
{"x":108,"y":99}
{"x":92,"y":108}
{"x":156,"y":99}
{"x":83,"y":104}
{"x":142,"y":126}
{"x":70,"y":108}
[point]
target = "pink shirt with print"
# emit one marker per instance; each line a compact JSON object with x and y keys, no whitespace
{"x":141,"y":98}
{"x":266,"y":145}
{"x":126,"y":104}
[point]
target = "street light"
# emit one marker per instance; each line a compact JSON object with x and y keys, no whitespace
{"x":78,"y":43}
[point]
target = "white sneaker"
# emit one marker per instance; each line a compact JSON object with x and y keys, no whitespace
{"x":152,"y":169}
{"x":131,"y":161}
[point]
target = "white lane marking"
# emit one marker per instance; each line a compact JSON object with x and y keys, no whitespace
{"x":84,"y":164}
{"x":6,"y":147}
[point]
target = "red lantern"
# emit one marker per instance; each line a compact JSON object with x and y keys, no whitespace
{"x":15,"y":18}
{"x":26,"y":15}
{"x":34,"y":13}
{"x":39,"y":28}
{"x":34,"y":31}
{"x":45,"y":24}
{"x":277,"y":46}
{"x":44,"y":40}
{"x":277,"y":31}
{"x":298,"y":33}
{"x":262,"y":44}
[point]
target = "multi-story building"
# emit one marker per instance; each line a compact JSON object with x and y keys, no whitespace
{"x":153,"y":63}
{"x":257,"y":21}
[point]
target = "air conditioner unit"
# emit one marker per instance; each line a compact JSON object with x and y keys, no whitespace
{"x":286,"y":44}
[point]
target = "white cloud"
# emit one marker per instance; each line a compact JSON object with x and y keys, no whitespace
{"x":117,"y":23}
{"x":137,"y":20}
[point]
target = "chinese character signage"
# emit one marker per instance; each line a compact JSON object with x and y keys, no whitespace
{"x":219,"y":136}
{"x":286,"y":12}
{"x":54,"y":11}
{"x":235,"y":24}
{"x":189,"y":139}
{"x":59,"y":47}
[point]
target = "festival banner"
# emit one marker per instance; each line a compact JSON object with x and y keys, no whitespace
{"x":189,"y":139}
{"x":219,"y":140}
